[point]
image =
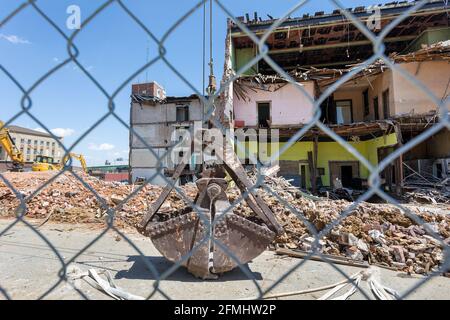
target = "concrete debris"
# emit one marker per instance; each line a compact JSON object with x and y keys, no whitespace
{"x":354,"y":253}
{"x":428,"y":196}
{"x":399,"y":254}
{"x":429,"y":190}
{"x":379,"y":234}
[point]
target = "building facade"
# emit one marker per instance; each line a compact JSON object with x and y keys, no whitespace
{"x":32,"y":143}
{"x":155,"y":123}
{"x":375,"y":112}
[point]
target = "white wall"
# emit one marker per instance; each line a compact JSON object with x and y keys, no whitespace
{"x":144,"y":114}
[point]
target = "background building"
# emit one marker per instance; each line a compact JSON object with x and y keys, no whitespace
{"x":118,"y":173}
{"x":155,"y":118}
{"x":32,"y":143}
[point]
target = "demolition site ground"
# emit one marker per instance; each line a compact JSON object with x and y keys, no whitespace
{"x":379,"y":236}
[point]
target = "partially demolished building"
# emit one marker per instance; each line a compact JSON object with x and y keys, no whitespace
{"x":376,"y":111}
{"x":155,"y":120}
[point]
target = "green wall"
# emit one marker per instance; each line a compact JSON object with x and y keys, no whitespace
{"x":243,"y":56}
{"x":328,"y":151}
{"x":430,"y":37}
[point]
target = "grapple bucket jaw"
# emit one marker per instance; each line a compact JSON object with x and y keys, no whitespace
{"x":240,"y":242}
{"x":211,"y":240}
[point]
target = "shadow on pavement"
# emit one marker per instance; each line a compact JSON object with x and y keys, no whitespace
{"x":139,"y":270}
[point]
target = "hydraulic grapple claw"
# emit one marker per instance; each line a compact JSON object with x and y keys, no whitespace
{"x":211,"y":240}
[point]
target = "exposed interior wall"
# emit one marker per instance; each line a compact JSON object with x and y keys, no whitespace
{"x":408,"y":98}
{"x":380,"y":84}
{"x":375,"y":85}
{"x":328,"y":152}
{"x":404,"y":97}
{"x":356,"y":96}
{"x":436,"y":147}
{"x":289,"y":105}
{"x":430,"y":37}
{"x":243,"y":56}
{"x":439,"y":145}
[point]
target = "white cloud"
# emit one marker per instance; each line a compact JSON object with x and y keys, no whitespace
{"x":14,"y":39}
{"x":59,"y":132}
{"x":101,"y":147}
{"x":55,"y":59}
{"x":63,"y":132}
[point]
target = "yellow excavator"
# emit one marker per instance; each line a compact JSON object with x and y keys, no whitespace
{"x":45,"y":163}
{"x":11,"y":149}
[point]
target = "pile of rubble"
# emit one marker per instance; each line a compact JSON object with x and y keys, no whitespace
{"x":67,"y":200}
{"x":377,"y":233}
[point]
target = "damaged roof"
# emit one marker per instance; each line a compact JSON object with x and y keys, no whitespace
{"x":143,"y":99}
{"x":327,"y":76}
{"x":361,"y":12}
{"x":331,"y":40}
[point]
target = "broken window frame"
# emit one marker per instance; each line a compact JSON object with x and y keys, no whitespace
{"x":185,"y":110}
{"x":337,"y":107}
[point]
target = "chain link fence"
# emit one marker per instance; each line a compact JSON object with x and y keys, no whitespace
{"x":26,"y":108}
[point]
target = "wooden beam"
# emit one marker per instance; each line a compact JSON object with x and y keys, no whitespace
{"x":340,"y":45}
{"x":312,"y":172}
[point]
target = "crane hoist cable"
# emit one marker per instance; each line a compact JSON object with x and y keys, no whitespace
{"x":212,"y":79}
{"x":204,"y":49}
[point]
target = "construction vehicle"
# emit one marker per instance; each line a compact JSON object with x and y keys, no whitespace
{"x":11,"y":149}
{"x":45,"y":163}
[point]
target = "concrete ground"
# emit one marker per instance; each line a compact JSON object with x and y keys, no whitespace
{"x":28,"y":268}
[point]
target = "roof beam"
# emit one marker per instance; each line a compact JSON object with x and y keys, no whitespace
{"x":340,"y":45}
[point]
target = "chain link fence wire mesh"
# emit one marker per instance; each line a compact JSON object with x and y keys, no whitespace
{"x":26,"y":109}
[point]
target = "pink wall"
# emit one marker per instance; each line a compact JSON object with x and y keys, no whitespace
{"x":434,"y":74}
{"x":289,"y":106}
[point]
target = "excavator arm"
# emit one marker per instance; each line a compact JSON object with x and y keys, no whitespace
{"x":11,"y":149}
{"x":78,"y":157}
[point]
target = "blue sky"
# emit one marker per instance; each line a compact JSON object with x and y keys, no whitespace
{"x":112,"y":47}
